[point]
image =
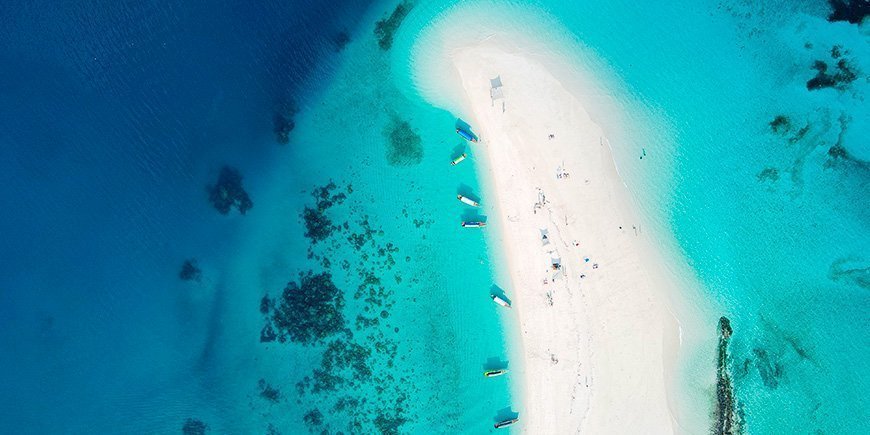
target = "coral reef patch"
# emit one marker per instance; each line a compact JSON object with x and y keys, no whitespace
{"x":228,"y":192}
{"x":357,"y":385}
{"x":850,"y":270}
{"x":318,"y":226}
{"x":852,"y":11}
{"x":386,"y":28}
{"x":727,"y":420}
{"x":341,"y":39}
{"x":310,"y":310}
{"x":404,"y":145}
{"x":193,"y":426}
{"x":190,"y":271}
{"x":768,"y":174}
{"x":844,"y":75}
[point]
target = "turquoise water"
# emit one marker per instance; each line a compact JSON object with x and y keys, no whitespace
{"x":111,"y":200}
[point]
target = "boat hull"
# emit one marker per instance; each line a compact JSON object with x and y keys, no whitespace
{"x":466,"y":135}
{"x":468,"y":201}
{"x":473,"y":224}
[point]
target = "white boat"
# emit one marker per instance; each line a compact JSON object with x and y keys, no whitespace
{"x":458,"y":159}
{"x":467,"y":200}
{"x":500,"y":301}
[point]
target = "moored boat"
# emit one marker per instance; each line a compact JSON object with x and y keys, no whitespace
{"x":458,"y":159}
{"x":494,"y":373}
{"x":467,"y":200}
{"x":473,"y":224}
{"x":500,"y":301}
{"x":466,"y":135}
{"x":506,"y":423}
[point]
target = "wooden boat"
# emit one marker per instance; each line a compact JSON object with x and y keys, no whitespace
{"x":494,"y":373}
{"x":506,"y":423}
{"x":467,"y":200}
{"x":458,"y":159}
{"x":473,"y":224}
{"x":466,"y":135}
{"x":500,"y":301}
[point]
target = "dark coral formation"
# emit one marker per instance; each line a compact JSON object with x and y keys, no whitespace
{"x":309,"y":310}
{"x":770,"y":371}
{"x":727,"y":420}
{"x":190,"y":271}
{"x":357,"y":377}
{"x":313,"y":417}
{"x":844,"y":75}
{"x":341,"y":40}
{"x":385,"y":29}
{"x":780,"y":124}
{"x":229,"y":193}
{"x":268,"y":392}
{"x":850,"y":269}
{"x":771,"y":174}
{"x":853,"y":11}
{"x":318,"y":226}
{"x":404,"y":145}
{"x":282,"y":126}
{"x":193,"y":426}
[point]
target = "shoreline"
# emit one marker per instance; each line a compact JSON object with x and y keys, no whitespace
{"x":599,"y":353}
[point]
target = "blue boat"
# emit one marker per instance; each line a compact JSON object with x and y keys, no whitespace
{"x":466,"y":135}
{"x":473,"y":224}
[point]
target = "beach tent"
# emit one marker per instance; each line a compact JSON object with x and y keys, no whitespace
{"x":496,"y":92}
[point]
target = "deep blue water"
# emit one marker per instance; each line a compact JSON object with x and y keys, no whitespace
{"x":116,"y":116}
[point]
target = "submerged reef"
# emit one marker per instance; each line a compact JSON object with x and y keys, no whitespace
{"x":190,"y":271}
{"x":404,"y":145}
{"x":341,"y":40}
{"x":385,"y":29}
{"x":268,"y":392}
{"x":310,"y":310}
{"x":228,"y":192}
{"x":766,"y":174}
{"x":780,"y":124}
{"x":853,"y":11}
{"x":318,"y":226}
{"x":283,"y":125}
{"x":844,"y":75}
{"x":357,"y":387}
{"x":282,"y":121}
{"x":193,"y":426}
{"x":727,"y":421}
{"x":770,"y":371}
{"x":850,"y":269}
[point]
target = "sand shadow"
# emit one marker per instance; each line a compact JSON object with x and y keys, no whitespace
{"x":495,"y":363}
{"x":505,"y":414}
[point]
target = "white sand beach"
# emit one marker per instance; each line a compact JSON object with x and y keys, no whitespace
{"x":598,"y":342}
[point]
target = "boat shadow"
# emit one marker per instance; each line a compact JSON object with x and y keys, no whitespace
{"x":505,"y":414}
{"x":472,"y":216}
{"x":457,"y":151}
{"x":495,"y":363}
{"x":498,"y":291}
